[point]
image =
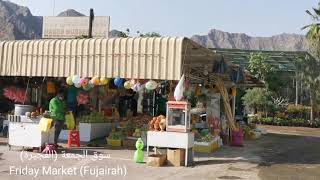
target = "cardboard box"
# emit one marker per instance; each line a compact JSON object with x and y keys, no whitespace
{"x":156,"y":160}
{"x":175,"y":157}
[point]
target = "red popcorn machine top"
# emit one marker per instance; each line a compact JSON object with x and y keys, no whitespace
{"x":178,"y":116}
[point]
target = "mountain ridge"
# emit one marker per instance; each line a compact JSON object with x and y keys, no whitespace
{"x":282,"y":42}
{"x":17,"y":22}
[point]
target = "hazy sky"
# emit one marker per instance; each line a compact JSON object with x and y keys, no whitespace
{"x":188,"y":17}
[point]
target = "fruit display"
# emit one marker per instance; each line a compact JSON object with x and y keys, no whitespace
{"x":94,"y":117}
{"x":33,"y":115}
{"x":115,"y":135}
{"x":163,"y":124}
{"x":137,"y":133}
{"x":158,"y":123}
{"x":206,"y":138}
{"x":140,"y":121}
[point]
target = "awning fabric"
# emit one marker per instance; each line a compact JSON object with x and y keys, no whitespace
{"x":142,"y":58}
{"x":164,"y":58}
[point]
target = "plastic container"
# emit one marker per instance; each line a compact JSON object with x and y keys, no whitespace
{"x":114,"y":142}
{"x":203,"y":148}
{"x":20,"y":110}
{"x":237,"y":138}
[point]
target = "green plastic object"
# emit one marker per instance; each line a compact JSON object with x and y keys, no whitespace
{"x":204,"y":132}
{"x":139,"y":154}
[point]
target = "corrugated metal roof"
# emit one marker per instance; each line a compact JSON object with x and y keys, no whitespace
{"x":141,"y":58}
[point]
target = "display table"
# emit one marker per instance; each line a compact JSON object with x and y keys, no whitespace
{"x":171,"y":140}
{"x":89,"y":131}
{"x":28,"y":134}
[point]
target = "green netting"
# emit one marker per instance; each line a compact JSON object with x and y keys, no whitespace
{"x":280,"y":60}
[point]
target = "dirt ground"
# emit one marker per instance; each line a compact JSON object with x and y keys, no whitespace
{"x":285,"y":153}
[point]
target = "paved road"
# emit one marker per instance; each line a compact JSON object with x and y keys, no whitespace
{"x":293,"y":155}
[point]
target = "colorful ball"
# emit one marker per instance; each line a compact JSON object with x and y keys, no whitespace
{"x":136,"y":87}
{"x":69,"y":81}
{"x":96,"y":80}
{"x":118,"y":82}
{"x":75,"y":79}
{"x":83,"y":81}
{"x":128,"y":84}
{"x":104,"y":81}
{"x":151,"y":85}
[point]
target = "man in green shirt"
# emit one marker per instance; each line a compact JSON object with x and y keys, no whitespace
{"x":57,"y":108}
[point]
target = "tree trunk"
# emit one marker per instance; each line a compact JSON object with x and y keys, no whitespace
{"x":297,"y":90}
{"x":312,"y":104}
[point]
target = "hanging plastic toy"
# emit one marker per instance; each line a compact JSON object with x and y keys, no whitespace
{"x":139,"y":154}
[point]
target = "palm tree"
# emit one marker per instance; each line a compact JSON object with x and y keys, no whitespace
{"x":309,"y":68}
{"x":313,"y":34}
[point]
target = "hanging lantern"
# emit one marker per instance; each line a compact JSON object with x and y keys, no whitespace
{"x":75,"y":79}
{"x":118,"y":82}
{"x":234,"y":91}
{"x":151,"y":85}
{"x":51,"y":88}
{"x":104,"y":81}
{"x":69,"y":81}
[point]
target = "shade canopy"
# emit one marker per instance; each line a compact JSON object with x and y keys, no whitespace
{"x":165,"y":58}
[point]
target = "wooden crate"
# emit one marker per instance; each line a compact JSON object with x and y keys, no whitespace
{"x":175,"y":157}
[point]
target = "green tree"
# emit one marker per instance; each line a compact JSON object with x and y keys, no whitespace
{"x":127,"y":34}
{"x":258,"y":99}
{"x":309,"y":67}
{"x":150,"y":34}
{"x":262,"y":69}
{"x":259,"y":66}
{"x":313,"y":34}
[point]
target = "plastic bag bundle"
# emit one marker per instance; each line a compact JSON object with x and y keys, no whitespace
{"x":178,"y":92}
{"x":70,"y":122}
{"x":45,"y":124}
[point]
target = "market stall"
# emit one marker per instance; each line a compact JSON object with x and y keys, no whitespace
{"x":117,"y":87}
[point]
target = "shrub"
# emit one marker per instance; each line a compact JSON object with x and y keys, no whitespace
{"x":253,"y":119}
{"x":267,"y":120}
{"x":297,"y":108}
{"x":277,"y":121}
{"x":298,"y":122}
{"x":281,"y":115}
